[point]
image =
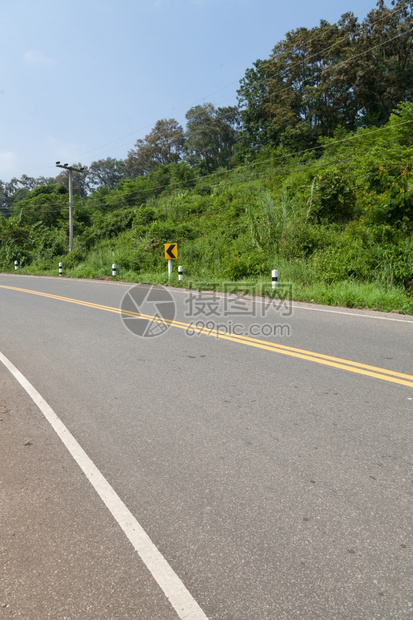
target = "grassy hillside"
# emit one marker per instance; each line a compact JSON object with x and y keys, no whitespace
{"x":335,"y":220}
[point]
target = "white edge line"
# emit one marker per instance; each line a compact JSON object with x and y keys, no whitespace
{"x":181,"y":600}
{"x":348,"y":312}
{"x":363,"y":316}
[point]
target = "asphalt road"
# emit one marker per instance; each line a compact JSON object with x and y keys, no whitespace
{"x":273,"y":473}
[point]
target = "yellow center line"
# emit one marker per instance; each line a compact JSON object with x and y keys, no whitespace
{"x":319,"y":358}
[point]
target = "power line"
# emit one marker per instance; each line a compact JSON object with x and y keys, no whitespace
{"x":337,"y":65}
{"x":362,"y":134}
{"x":99,"y":148}
{"x":307,"y":59}
{"x":281,"y":157}
{"x":388,"y":12}
{"x":281,"y":171}
{"x":210,"y":94}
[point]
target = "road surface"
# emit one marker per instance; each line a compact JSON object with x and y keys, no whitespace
{"x":265,"y":452}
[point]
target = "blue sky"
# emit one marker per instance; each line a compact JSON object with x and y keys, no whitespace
{"x":82,"y":80}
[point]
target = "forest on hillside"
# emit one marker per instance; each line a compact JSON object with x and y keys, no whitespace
{"x":311,"y":172}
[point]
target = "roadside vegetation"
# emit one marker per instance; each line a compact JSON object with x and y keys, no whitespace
{"x":311,"y":174}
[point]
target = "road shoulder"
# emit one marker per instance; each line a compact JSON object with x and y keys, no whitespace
{"x":63,"y":555}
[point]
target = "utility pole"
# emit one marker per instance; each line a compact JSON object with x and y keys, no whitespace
{"x":70,"y":171}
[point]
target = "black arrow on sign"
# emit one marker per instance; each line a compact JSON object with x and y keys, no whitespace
{"x":171,"y":250}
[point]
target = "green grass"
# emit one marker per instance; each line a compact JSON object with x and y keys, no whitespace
{"x":295,"y":279}
{"x":348,"y":294}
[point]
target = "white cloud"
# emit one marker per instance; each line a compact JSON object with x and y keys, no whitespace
{"x":8,"y":161}
{"x":35,"y":58}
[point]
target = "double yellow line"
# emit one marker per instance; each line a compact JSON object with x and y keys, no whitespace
{"x":318,"y":358}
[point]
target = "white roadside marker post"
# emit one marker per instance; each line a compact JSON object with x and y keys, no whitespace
{"x":113,"y":269}
{"x":60,"y":269}
{"x":16,"y":265}
{"x":180,"y":273}
{"x":274,"y":277}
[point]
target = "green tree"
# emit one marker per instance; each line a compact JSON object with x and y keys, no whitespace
{"x":382,"y":72}
{"x":46,"y":205}
{"x":79,"y":179}
{"x":163,"y":145}
{"x":106,"y":172}
{"x":308,"y":96}
{"x":211,"y":134}
{"x":299,"y":93}
{"x":345,"y":74}
{"x":7,"y":191}
{"x":253,"y":98}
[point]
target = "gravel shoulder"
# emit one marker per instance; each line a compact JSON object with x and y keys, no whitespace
{"x":63,"y":556}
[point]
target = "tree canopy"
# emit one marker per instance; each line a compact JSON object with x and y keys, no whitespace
{"x":313,"y":166}
{"x":163,"y":145}
{"x":348,"y":74}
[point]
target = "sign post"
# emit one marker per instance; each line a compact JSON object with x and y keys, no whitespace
{"x":171,"y":253}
